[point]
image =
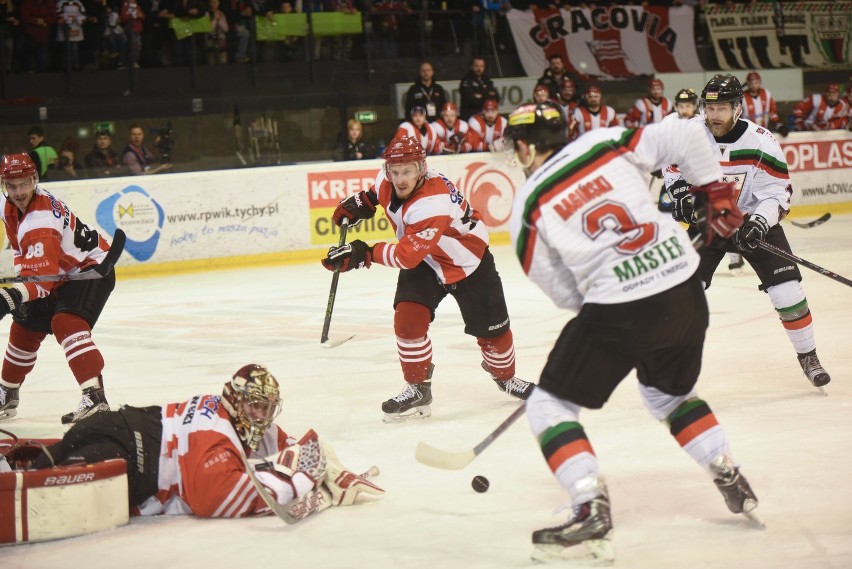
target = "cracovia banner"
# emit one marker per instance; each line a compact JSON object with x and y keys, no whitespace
{"x":607,"y":41}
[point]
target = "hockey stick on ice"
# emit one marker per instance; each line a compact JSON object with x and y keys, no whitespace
{"x":819,"y":221}
{"x":449,"y":460}
{"x":100,"y":270}
{"x":332,"y":293}
{"x":812,"y":266}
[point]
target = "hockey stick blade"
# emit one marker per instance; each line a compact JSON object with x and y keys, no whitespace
{"x":449,"y":460}
{"x":100,"y":270}
{"x":334,"y":343}
{"x":819,"y":221}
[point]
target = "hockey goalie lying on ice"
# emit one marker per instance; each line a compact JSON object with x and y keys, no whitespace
{"x":181,"y":458}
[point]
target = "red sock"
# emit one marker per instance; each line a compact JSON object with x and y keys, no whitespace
{"x":75,"y":337}
{"x":499,"y":354}
{"x":410,"y":324}
{"x":20,"y":353}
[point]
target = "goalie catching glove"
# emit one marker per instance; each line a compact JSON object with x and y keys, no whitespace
{"x":356,"y":208}
{"x":354,"y":255}
{"x":716,"y":211}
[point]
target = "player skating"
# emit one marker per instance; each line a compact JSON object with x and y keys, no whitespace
{"x":752,"y":159}
{"x":442,"y":249}
{"x":48,"y":239}
{"x":188,"y":458}
{"x":586,"y":233}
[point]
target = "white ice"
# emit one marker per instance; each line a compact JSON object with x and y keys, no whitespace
{"x":166,"y":339}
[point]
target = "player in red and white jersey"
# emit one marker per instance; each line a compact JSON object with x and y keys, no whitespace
{"x":586,"y":233}
{"x":455,"y":133}
{"x":591,"y":114}
{"x":48,"y":239}
{"x":418,"y":128}
{"x":568,"y":99}
{"x":442,"y":249}
{"x":759,"y":106}
{"x":650,"y":109}
{"x":822,"y":111}
{"x":488,"y":124}
{"x":190,"y":457}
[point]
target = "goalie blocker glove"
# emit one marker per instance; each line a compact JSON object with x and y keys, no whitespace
{"x":355,"y":255}
{"x":10,"y":299}
{"x":356,"y":208}
{"x":753,"y":231}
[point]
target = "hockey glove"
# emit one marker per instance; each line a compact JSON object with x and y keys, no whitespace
{"x":344,"y":485}
{"x":307,"y":456}
{"x":356,"y":207}
{"x":682,"y":201}
{"x":10,"y":299}
{"x":351,"y":256}
{"x":716,"y":211}
{"x":753,"y":231}
{"x":782,"y":129}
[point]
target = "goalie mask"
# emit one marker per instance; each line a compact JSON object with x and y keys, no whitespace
{"x":252,"y":399}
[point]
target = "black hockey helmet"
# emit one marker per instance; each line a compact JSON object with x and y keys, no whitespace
{"x":686,"y":96}
{"x":539,"y":124}
{"x":722,"y":89}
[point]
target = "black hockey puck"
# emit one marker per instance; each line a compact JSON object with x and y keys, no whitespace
{"x":480,"y":484}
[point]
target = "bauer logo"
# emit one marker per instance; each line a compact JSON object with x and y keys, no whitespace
{"x":138,"y":214}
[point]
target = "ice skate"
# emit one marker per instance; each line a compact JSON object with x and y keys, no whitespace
{"x":8,"y":402}
{"x":590,"y":525}
{"x":814,"y":371}
{"x":515,"y":386}
{"x":737,"y":263}
{"x":734,"y":487}
{"x":94,"y":401}
{"x":412,"y":403}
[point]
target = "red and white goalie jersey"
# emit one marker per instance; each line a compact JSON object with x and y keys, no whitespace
{"x":426,"y":136}
{"x":644,"y":111}
{"x":470,"y":141}
{"x":488,"y":132}
{"x":436,"y":225}
{"x":201,"y":467}
{"x":49,"y":240}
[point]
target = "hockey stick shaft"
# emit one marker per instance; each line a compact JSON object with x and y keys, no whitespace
{"x":814,"y":267}
{"x":449,"y":460}
{"x":819,"y":221}
{"x":332,"y":293}
{"x":100,"y":270}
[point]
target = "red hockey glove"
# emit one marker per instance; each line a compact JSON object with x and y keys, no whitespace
{"x":356,"y":207}
{"x":716,"y":210}
{"x":353,"y":255}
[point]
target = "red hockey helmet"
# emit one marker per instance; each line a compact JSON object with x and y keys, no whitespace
{"x":449,"y":107}
{"x":490,"y":105}
{"x":653,"y":83}
{"x":16,"y":167}
{"x":752,"y":75}
{"x":403,"y":150}
{"x":252,"y":399}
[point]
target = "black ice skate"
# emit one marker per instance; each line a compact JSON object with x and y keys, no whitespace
{"x":739,"y":497}
{"x":814,"y":371}
{"x":94,"y":401}
{"x":591,"y":525}
{"x":8,"y":402}
{"x":515,"y":386}
{"x":412,"y":403}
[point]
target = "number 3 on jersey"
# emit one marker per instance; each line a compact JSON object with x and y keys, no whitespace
{"x":35,"y":251}
{"x":613,"y":216}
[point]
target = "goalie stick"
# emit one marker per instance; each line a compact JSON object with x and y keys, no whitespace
{"x":449,"y":460}
{"x":332,"y":293}
{"x":812,"y":266}
{"x":100,"y":270}
{"x":818,"y":221}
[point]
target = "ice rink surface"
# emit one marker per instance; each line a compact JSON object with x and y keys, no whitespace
{"x":166,"y":339}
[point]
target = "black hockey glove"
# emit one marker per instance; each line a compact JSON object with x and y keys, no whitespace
{"x":782,"y":129}
{"x":351,"y":256}
{"x":356,"y":207}
{"x":752,"y":231}
{"x":682,"y":201}
{"x":10,"y":299}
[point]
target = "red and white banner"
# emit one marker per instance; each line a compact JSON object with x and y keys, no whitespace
{"x":607,"y":41}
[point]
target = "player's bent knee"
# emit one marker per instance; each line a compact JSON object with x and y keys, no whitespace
{"x":411,"y":320}
{"x":545,"y":410}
